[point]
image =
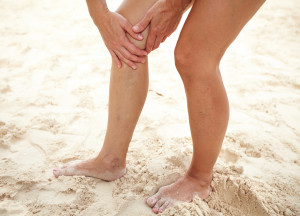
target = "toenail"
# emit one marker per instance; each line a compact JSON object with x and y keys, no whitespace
{"x":55,"y":172}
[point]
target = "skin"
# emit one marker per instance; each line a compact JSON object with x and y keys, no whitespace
{"x":164,"y":17}
{"x":113,"y":28}
{"x":127,"y":94}
{"x":208,"y":31}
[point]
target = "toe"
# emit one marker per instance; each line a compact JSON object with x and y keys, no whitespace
{"x":163,"y":207}
{"x":64,"y":166}
{"x":68,"y":171}
{"x":158,"y":204}
{"x":56,"y":172}
{"x":151,"y":201}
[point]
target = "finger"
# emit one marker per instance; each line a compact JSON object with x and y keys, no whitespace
{"x":150,"y":41}
{"x":133,"y":49}
{"x":157,"y":42}
{"x":115,"y":57}
{"x":128,"y":27}
{"x":131,"y":57}
{"x":142,"y":25}
{"x":126,"y":61}
{"x":164,"y":38}
{"x":150,"y":44}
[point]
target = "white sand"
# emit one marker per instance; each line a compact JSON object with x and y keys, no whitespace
{"x":54,"y":76}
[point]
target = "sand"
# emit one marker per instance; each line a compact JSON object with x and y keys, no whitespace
{"x":54,"y":77}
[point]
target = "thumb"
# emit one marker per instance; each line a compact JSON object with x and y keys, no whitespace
{"x":142,"y":25}
{"x":128,"y":28}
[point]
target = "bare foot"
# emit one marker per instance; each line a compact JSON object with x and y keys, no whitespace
{"x":183,"y":190}
{"x":107,"y":168}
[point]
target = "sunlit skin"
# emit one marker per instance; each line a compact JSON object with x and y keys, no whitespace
{"x":210,"y":28}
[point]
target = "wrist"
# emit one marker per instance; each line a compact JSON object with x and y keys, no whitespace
{"x":102,"y":19}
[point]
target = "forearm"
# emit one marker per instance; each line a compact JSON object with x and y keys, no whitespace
{"x":98,"y":11}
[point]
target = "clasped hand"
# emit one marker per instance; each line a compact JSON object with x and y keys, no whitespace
{"x":162,"y":20}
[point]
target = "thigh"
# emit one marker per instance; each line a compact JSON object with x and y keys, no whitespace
{"x":134,"y":11}
{"x":212,"y":25}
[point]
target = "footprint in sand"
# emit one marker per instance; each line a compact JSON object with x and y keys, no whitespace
{"x":135,"y":207}
{"x":229,"y":156}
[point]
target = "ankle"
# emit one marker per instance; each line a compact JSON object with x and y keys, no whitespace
{"x":111,"y":160}
{"x":204,"y":179}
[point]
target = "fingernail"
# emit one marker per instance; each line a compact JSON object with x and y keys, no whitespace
{"x":140,"y":36}
{"x":135,"y":28}
{"x":134,"y":67}
{"x":119,"y":66}
{"x":160,"y":210}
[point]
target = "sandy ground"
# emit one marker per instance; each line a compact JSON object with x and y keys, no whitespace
{"x":54,"y":76}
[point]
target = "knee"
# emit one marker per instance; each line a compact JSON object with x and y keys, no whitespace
{"x":133,"y":18}
{"x":196,"y":62}
{"x":142,"y":43}
{"x":183,"y":59}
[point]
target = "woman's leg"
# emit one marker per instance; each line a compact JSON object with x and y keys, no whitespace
{"x":209,"y":29}
{"x":127,"y":94}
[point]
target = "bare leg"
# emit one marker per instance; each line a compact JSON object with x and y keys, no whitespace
{"x":209,"y":29}
{"x":127,"y":94}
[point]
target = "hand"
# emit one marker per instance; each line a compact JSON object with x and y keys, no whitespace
{"x":163,"y":19}
{"x":113,"y":32}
